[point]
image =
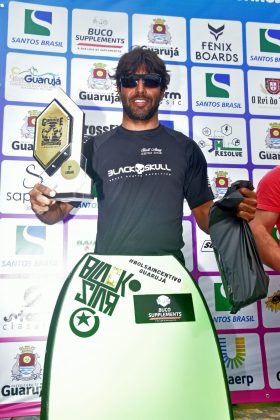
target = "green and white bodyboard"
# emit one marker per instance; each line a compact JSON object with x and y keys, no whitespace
{"x":131,"y":338}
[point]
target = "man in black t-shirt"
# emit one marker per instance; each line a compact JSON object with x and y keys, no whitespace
{"x":142,"y":171}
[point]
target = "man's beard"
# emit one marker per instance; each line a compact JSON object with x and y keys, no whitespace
{"x":142,"y":115}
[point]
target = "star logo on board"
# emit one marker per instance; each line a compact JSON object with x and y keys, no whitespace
{"x":83,"y":322}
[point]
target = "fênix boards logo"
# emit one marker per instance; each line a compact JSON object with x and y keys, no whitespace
{"x":216,"y":41}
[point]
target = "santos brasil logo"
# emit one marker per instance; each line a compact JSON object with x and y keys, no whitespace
{"x":269,"y":40}
{"x":37,"y":22}
{"x":30,"y":240}
{"x":240,"y":352}
{"x":217,"y":85}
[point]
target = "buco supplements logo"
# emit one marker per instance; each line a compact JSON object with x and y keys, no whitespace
{"x":32,"y":79}
{"x":100,"y":36}
{"x":221,"y":142}
{"x":101,"y":288}
{"x":220,"y":184}
{"x":139,"y":170}
{"x":163,"y":308}
{"x":272,"y":303}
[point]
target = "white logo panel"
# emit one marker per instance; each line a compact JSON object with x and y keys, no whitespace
{"x":37,"y":27}
{"x":206,"y":260}
{"x":33,"y":248}
{"x":222,"y":140}
{"x":81,"y":239}
{"x":18,"y":131}
{"x":176,"y":95}
{"x":272,"y":351}
{"x":221,"y":179}
{"x":91,"y":83}
{"x":271,"y":304}
{"x":242,"y":358}
{"x":17,"y":387}
{"x":264,"y":92}
{"x":216,"y":41}
{"x":15,"y":189}
{"x":214,"y":293}
{"x":26,"y":306}
{"x":34,"y":78}
{"x":217,"y":90}
{"x":265,"y":141}
{"x":263,"y":44}
{"x":166,"y":35}
{"x":99,"y":33}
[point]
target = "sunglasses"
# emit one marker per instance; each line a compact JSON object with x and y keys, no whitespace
{"x":151,"y":80}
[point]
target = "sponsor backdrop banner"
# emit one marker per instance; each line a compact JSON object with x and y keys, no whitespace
{"x":224,"y":58}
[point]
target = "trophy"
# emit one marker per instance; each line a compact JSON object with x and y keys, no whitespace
{"x":58,"y":149}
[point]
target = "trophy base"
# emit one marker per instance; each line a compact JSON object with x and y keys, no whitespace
{"x":73,"y":196}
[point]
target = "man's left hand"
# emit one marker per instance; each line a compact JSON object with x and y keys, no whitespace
{"x":247,"y":208}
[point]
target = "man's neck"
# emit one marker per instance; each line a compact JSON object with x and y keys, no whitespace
{"x":138,"y":125}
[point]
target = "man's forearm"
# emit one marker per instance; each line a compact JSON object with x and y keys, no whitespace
{"x":268,"y":248}
{"x":56,"y":213}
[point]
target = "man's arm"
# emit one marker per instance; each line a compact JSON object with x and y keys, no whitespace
{"x":262,"y":227}
{"x":245,"y":210}
{"x":46,"y":208}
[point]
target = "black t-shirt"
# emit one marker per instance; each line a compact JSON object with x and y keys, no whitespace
{"x":142,"y":178}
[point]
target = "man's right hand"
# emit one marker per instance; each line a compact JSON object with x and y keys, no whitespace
{"x":45,"y":206}
{"x":41,"y":199}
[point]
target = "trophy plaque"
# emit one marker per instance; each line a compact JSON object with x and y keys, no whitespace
{"x":58,"y":149}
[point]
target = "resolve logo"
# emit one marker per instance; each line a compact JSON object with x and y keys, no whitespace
{"x":217,"y":85}
{"x":37,"y":22}
{"x":239,"y":350}
{"x":30,"y":240}
{"x":269,"y":40}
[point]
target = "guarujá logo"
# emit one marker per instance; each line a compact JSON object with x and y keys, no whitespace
{"x":240,"y":352}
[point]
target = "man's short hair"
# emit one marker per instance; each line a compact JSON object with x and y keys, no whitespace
{"x":130,"y":62}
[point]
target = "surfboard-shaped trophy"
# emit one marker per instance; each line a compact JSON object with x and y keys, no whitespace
{"x":58,"y":149}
